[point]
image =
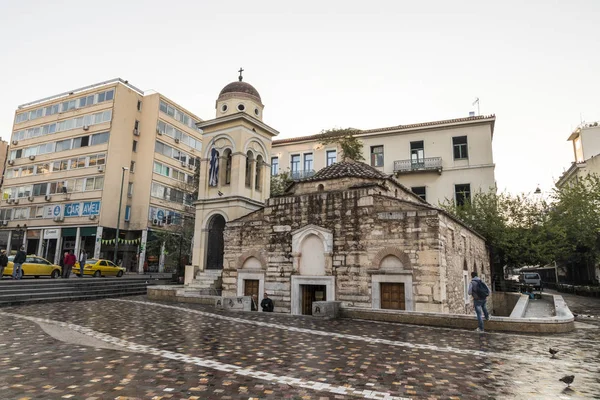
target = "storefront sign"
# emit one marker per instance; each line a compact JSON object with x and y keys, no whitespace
{"x":91,"y":208}
{"x":51,"y":233}
{"x":72,"y":209}
{"x":52,"y":211}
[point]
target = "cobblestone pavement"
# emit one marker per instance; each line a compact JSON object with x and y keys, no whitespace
{"x":133,"y":348}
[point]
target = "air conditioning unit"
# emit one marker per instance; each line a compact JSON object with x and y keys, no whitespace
{"x":177,"y":140}
{"x":183,"y":163}
{"x":30,"y":198}
{"x":154,"y":221}
{"x":16,"y":201}
{"x":47,"y":197}
{"x":86,"y":127}
{"x":136,"y":132}
{"x":158,"y":131}
{"x":92,"y":217}
{"x":32,"y":158}
{"x":11,"y":162}
{"x":100,"y":168}
{"x":10,"y":200}
{"x":4,"y":223}
{"x":15,"y":142}
{"x":59,"y":219}
{"x":190,"y":166}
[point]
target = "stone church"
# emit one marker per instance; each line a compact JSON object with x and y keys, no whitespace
{"x":349,"y":233}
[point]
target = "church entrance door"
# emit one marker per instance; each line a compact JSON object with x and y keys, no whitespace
{"x":392,"y":296}
{"x":251,"y":289}
{"x":216,"y":245}
{"x":312,"y":293}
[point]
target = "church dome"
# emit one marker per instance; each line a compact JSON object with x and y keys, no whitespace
{"x":240,"y":87}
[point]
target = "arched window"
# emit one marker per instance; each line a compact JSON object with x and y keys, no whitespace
{"x":216,"y":244}
{"x":228,"y":160}
{"x":259,"y":168}
{"x":249,"y":159}
{"x":320,"y":188}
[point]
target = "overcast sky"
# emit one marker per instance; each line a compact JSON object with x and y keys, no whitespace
{"x":324,"y":64}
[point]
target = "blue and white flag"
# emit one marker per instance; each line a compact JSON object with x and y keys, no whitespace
{"x":213,"y":172}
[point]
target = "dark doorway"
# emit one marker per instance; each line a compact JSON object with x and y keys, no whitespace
{"x":312,"y":293}
{"x":251,"y":289}
{"x":32,"y":245}
{"x":216,"y":245}
{"x":392,"y":296}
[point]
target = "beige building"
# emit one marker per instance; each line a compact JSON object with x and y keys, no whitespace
{"x":72,"y":154}
{"x":437,"y":160}
{"x":3,"y":156}
{"x":586,"y":149}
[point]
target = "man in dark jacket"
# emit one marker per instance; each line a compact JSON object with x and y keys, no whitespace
{"x":478,"y":300}
{"x":70,"y":260}
{"x":3,"y":262}
{"x":267,"y":304}
{"x":18,"y":262}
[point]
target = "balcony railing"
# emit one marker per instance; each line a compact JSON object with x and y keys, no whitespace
{"x":422,"y":165}
{"x":307,"y":173}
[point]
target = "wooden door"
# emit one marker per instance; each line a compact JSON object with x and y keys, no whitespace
{"x":392,"y":296}
{"x":251,"y":289}
{"x":312,"y":293}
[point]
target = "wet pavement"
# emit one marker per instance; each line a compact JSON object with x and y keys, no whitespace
{"x":133,"y":348}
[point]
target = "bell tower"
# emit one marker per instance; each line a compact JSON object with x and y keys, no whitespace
{"x":235,"y":176}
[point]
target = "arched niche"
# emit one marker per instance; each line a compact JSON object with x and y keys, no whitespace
{"x":312,"y":262}
{"x":215,"y":242}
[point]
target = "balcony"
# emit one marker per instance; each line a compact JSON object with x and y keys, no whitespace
{"x":422,"y":165}
{"x":307,"y":173}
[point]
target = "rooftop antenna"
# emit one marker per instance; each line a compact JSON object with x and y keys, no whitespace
{"x":477,"y":102}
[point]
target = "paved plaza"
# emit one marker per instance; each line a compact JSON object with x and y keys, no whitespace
{"x":132,"y":348}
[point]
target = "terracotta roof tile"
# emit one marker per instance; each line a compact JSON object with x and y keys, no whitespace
{"x":346,"y":169}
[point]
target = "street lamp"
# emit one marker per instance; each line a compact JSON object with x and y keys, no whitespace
{"x":119,"y":215}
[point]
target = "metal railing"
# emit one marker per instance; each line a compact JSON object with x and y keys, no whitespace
{"x":423,"y":164}
{"x":307,"y":173}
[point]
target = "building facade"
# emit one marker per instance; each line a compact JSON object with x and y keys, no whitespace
{"x":71,"y":155}
{"x":586,"y":151}
{"x":439,"y":161}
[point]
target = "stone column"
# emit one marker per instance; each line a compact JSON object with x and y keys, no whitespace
{"x":40,"y":247}
{"x":142,"y":257}
{"x":77,"y":242}
{"x":58,"y":253}
{"x":161,"y":260}
{"x":98,"y":244}
{"x":9,"y":243}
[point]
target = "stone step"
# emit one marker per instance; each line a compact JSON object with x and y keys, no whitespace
{"x":78,"y":297}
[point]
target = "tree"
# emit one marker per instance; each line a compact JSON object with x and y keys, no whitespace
{"x":279,"y":182}
{"x":350,"y":147}
{"x":515,"y":227}
{"x":575,"y":218}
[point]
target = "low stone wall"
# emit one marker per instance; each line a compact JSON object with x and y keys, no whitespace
{"x":326,"y":309}
{"x":178,"y":294}
{"x":562,"y":322}
{"x":504,"y":303}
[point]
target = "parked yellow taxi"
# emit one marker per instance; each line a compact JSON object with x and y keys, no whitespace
{"x":34,"y":266}
{"x":98,"y":268}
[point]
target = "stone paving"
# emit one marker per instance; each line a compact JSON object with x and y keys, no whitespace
{"x":138,"y":349}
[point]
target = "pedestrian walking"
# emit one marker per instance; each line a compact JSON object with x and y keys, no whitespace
{"x":18,"y":263}
{"x":82,"y":261}
{"x":479,"y":290}
{"x":3,"y":262}
{"x":70,"y":260}
{"x":267,"y":304}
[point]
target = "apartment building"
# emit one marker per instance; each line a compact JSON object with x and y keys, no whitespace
{"x":71,"y":156}
{"x":585,"y":140}
{"x":439,"y":161}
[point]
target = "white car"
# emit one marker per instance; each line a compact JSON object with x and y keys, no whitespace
{"x":532,"y":279}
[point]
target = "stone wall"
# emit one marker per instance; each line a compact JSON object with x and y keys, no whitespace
{"x":462,"y":252}
{"x":368,"y":225}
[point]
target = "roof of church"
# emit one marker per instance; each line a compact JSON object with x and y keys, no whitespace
{"x":346,"y":169}
{"x":240,"y":87}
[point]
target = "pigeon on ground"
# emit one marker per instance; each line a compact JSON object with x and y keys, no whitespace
{"x":568,"y":379}
{"x":553,"y":352}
